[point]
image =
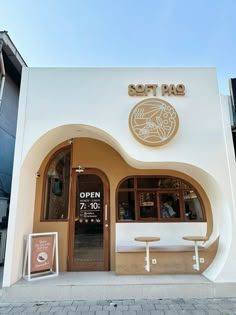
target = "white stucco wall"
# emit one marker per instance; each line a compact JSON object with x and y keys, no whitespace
{"x":59,"y":104}
{"x":170,"y":233}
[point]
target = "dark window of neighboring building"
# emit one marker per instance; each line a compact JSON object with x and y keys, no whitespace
{"x":57,"y":186}
{"x":158,"y":198}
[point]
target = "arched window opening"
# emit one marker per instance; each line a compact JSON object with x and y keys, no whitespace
{"x":57,"y":186}
{"x":158,"y":198}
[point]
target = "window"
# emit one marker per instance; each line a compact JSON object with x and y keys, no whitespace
{"x":57,"y":186}
{"x":126,"y":205}
{"x":147,"y":207}
{"x":158,"y":198}
{"x":170,"y":205}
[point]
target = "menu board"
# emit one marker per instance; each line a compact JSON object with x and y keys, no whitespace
{"x":41,"y":256}
{"x":90,"y":207}
{"x":41,"y":253}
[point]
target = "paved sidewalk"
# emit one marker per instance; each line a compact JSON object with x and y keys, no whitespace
{"x":226,"y":306}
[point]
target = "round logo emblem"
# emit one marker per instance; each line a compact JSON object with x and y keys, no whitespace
{"x":153,"y":122}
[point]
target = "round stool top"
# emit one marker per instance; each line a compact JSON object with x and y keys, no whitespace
{"x":147,"y":239}
{"x":196,"y":238}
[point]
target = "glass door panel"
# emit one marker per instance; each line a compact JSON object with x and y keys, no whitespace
{"x":89,"y":222}
{"x":88,"y":231}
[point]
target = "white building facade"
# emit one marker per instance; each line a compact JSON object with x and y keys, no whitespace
{"x":99,"y":151}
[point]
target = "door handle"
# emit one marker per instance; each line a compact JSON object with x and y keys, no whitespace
{"x":106,"y":225}
{"x":105,"y":212}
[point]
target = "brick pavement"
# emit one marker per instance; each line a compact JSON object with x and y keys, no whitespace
{"x":226,"y":306}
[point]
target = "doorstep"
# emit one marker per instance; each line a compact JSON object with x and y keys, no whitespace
{"x":108,"y":285}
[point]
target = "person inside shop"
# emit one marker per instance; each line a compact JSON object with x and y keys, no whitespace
{"x":167,"y":209}
{"x":188,"y":212}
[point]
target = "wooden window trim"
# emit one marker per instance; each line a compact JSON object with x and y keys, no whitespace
{"x":43,"y":203}
{"x":180,"y":190}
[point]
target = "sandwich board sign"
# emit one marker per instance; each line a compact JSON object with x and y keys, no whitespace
{"x":41,"y":256}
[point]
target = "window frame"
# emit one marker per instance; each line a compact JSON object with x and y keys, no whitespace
{"x":180,"y":190}
{"x":44,"y":189}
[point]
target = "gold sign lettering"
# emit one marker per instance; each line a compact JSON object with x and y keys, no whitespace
{"x":142,"y":89}
{"x":131,"y":90}
{"x":171,"y":89}
{"x":180,"y":89}
{"x":152,"y":89}
{"x":164,"y":89}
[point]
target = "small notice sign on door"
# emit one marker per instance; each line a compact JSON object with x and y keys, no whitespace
{"x":41,"y":256}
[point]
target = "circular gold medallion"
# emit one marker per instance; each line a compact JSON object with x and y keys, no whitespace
{"x":153,"y":122}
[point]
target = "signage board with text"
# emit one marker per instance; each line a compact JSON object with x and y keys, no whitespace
{"x":41,"y":256}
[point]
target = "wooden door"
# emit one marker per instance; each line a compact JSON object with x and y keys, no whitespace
{"x":89,"y":221}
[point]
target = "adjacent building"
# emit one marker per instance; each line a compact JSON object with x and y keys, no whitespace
{"x":11,"y":64}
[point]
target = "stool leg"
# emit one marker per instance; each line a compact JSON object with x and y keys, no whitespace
{"x":147,"y":267}
{"x":196,"y":266}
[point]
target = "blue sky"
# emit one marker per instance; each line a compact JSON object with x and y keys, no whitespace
{"x":160,"y":33}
